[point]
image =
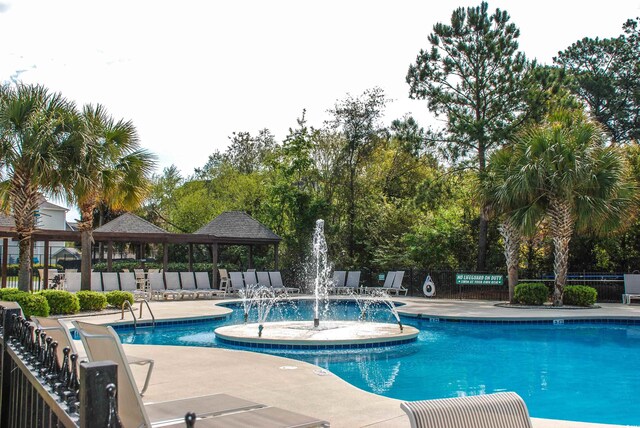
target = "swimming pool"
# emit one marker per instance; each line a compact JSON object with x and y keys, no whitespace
{"x":574,"y":371}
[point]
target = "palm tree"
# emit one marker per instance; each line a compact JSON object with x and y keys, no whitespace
{"x":499,"y":170}
{"x":38,"y":151}
{"x":563,"y":170}
{"x":117,"y":172}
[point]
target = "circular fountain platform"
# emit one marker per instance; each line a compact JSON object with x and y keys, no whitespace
{"x":329,"y":335}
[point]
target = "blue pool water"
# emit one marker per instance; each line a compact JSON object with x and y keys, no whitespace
{"x":583,"y":372}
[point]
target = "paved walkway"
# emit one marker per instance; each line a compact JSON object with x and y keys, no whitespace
{"x":294,"y":385}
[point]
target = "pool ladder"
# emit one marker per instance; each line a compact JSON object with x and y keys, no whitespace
{"x":127,"y":304}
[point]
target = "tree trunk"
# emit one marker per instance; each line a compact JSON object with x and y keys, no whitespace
{"x":511,"y":237}
{"x":24,"y":275}
{"x":562,"y":223}
{"x":85,"y":226}
{"x":85,"y":261}
{"x":483,"y":229}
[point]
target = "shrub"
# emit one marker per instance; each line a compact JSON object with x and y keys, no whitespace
{"x":117,"y":298}
{"x":33,"y":305}
{"x":61,"y":302}
{"x":9,"y":294}
{"x":91,"y":300}
{"x":534,"y":293}
{"x":579,"y":295}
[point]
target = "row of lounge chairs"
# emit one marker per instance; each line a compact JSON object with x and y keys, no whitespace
{"x":156,"y":285}
{"x":344,"y":282}
{"x":236,"y":281}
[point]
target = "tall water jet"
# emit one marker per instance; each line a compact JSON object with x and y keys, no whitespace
{"x":321,"y":268}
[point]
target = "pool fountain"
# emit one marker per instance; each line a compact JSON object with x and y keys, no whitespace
{"x":328,"y":333}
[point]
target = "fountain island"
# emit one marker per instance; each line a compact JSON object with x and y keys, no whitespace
{"x":329,"y":334}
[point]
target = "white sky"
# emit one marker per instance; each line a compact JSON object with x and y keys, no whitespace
{"x":189,"y":73}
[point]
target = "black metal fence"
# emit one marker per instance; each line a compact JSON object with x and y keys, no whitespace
{"x":39,"y":391}
{"x":610,"y":286}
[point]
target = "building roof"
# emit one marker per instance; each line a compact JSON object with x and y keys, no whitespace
{"x":130,"y":223}
{"x":68,"y":250}
{"x":238,"y":225}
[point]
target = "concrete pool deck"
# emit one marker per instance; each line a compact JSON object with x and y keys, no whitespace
{"x":182,"y":372}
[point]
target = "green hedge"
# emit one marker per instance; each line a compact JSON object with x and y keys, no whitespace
{"x":533,"y":293}
{"x":31,"y":304}
{"x":116,"y":298}
{"x":61,"y":302}
{"x":91,"y":300}
{"x":579,"y":295}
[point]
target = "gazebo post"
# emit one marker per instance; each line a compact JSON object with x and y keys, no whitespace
{"x":190,"y":257}
{"x":250,"y":256}
{"x":214,"y":264}
{"x":275,"y":255}
{"x":109,"y":256}
{"x":5,"y":258}
{"x":44,"y":282}
{"x":165,"y":256}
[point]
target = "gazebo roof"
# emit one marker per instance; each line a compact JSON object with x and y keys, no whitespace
{"x":130,"y":223}
{"x":238,"y":225}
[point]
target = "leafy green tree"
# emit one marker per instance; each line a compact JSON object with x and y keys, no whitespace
{"x":562,"y":170}
{"x":116,"y":172}
{"x":357,"y":119}
{"x":39,"y":148}
{"x":605,"y":76}
{"x":472,"y":75}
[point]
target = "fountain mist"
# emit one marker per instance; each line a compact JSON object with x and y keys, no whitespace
{"x":321,"y":270}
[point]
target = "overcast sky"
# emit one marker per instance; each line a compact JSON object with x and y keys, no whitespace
{"x":191,"y":72}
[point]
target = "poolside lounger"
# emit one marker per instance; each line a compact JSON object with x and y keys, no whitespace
{"x":188,"y":281}
{"x":388,"y":283}
{"x":338,"y":281}
{"x":631,"y":288}
{"x":96,"y":281}
{"x":58,"y":331}
{"x":128,"y":283}
{"x":110,"y":281}
{"x":500,"y":410}
{"x":72,"y":282}
{"x":156,"y":286}
{"x":397,"y":287}
{"x":278,"y":285}
{"x":203,"y":286}
{"x":353,"y":281}
{"x":102,"y":343}
{"x":266,"y":417}
{"x":263,"y":279}
{"x":237,"y":281}
{"x":250,"y":278}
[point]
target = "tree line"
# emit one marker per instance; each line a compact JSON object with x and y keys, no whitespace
{"x":535,"y":163}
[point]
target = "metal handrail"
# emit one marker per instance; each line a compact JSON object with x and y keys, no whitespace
{"x":128,"y":305}
{"x":153,"y":319}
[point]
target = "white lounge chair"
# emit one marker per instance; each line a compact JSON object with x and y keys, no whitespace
{"x":236,"y":281}
{"x":128,"y":283}
{"x":353,"y":281}
{"x":96,"y":281}
{"x":110,"y":281}
{"x":102,"y":343}
{"x":58,"y":331}
{"x":72,"y":282}
{"x":263,"y":279}
{"x":278,"y":285}
{"x":631,"y":288}
{"x":499,"y":410}
{"x":157,"y":288}
{"x":172,"y":282}
{"x":397,"y":287}
{"x":338,"y":281}
{"x":188,"y":281}
{"x":203,"y":286}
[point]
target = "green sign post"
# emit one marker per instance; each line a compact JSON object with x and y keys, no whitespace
{"x":478,"y":279}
